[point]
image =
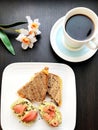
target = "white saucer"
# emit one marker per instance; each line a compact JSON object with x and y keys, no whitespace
{"x":62,"y":50}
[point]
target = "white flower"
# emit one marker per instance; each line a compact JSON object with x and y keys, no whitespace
{"x":33,"y":25}
{"x":27,"y":41}
{"x":23,"y":31}
{"x":28,"y":37}
{"x":26,"y":32}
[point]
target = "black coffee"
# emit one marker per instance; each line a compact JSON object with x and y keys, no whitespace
{"x":79,"y":27}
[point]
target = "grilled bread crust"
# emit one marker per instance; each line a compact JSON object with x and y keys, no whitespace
{"x":54,"y":88}
{"x":42,"y":83}
{"x":36,"y":88}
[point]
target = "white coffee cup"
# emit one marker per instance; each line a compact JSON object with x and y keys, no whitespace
{"x":92,"y":41}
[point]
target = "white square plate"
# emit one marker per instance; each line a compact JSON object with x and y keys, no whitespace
{"x":17,"y":74}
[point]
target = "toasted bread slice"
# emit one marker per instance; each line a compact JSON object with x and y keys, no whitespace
{"x":55,"y":88}
{"x":36,"y":88}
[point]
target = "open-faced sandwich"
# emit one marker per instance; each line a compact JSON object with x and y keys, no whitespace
{"x":24,"y":110}
{"x":50,"y":113}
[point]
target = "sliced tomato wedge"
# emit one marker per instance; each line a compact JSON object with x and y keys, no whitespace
{"x":47,"y":117}
{"x":19,"y":108}
{"x":30,"y":116}
{"x":52,"y":114}
{"x":47,"y":109}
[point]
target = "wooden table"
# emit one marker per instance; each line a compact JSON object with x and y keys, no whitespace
{"x":49,"y":12}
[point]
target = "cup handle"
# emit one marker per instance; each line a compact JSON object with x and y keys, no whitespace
{"x":93,"y":44}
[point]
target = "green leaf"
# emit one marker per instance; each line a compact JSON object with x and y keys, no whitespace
{"x":6,"y":42}
{"x":12,"y":25}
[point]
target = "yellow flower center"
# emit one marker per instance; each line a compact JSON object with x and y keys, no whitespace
{"x":26,"y":40}
{"x":32,"y":32}
{"x":34,"y":25}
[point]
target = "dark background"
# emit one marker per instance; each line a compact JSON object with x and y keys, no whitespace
{"x":48,"y":12}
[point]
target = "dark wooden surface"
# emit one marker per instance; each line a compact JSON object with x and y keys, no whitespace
{"x":48,"y":12}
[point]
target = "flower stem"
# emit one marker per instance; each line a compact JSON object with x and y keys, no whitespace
{"x":9,"y":29}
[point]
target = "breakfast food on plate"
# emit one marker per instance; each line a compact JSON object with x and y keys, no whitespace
{"x":42,"y":83}
{"x":55,"y":88}
{"x":50,"y":113}
{"x":36,"y":88}
{"x":24,"y":110}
